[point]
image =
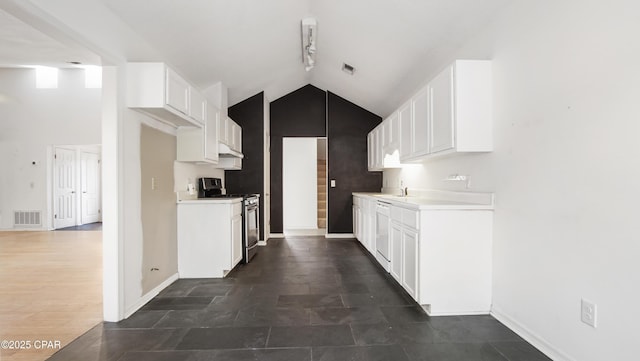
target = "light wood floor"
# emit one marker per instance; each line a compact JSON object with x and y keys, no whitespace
{"x":50,"y":288}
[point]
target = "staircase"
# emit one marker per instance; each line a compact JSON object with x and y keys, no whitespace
{"x":322,"y":193}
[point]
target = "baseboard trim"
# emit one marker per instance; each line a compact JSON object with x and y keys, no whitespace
{"x":262,"y":243}
{"x":305,"y":232}
{"x":276,"y":235}
{"x":538,"y":342}
{"x":339,"y":235}
{"x":25,"y":229}
{"x":150,"y":295}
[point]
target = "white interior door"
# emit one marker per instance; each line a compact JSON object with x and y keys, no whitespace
{"x":64,"y":188}
{"x":90,"y":181}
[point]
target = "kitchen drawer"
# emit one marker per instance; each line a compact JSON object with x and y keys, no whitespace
{"x":410,"y":218}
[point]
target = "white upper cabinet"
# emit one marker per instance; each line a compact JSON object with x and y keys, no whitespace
{"x":370,"y":151}
{"x":211,"y":134}
{"x":223,"y":135}
{"x":420,"y":124}
{"x":406,"y":130}
{"x":230,"y":145}
{"x":236,"y":138}
{"x":231,"y":134}
{"x":473,"y":111}
{"x":383,"y":144}
{"x":177,"y":96}
{"x":200,"y":145}
{"x":197,"y":105}
{"x":157,"y":90}
{"x":391,"y":133}
{"x":452,"y":114}
{"x":442,"y":120}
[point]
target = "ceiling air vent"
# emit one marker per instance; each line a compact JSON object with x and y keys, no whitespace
{"x":349,"y":69}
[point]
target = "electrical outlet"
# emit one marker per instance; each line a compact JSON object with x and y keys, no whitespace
{"x":153,"y":183}
{"x":588,"y":313}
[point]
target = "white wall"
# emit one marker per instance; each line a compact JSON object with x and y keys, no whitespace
{"x":299,"y":183}
{"x":32,"y":120}
{"x":564,"y":170}
{"x":185,"y":173}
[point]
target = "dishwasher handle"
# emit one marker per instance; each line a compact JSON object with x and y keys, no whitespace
{"x":383,"y":207}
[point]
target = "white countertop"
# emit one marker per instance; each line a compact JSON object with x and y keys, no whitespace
{"x":211,"y":201}
{"x":432,"y":200}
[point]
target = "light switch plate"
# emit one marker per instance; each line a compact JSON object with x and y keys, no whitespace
{"x":333,"y":183}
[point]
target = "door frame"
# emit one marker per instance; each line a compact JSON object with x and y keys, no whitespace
{"x":314,"y":231}
{"x":51,"y":174}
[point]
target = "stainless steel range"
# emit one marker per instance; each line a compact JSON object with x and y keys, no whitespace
{"x":212,"y":188}
{"x":251,"y":216}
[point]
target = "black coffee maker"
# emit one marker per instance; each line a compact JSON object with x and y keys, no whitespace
{"x":209,"y":187}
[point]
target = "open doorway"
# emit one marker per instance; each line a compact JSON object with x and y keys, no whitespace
{"x":51,"y":281}
{"x":304,"y":182}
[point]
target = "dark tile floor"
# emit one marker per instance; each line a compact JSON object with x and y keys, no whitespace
{"x":300,"y":299}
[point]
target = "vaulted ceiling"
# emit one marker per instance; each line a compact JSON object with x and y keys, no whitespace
{"x":255,"y":45}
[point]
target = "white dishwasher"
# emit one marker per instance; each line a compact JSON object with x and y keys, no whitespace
{"x":383,"y":222}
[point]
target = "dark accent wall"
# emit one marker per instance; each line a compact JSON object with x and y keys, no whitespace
{"x":347,"y":129}
{"x":301,"y":113}
{"x":312,"y":112}
{"x":249,"y":114}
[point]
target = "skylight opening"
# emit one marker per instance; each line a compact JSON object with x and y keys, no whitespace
{"x":92,"y":77}
{"x":46,"y":77}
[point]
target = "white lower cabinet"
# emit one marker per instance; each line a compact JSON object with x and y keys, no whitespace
{"x":396,"y":251}
{"x":236,"y":237}
{"x":454,"y":276}
{"x":404,"y":248}
{"x":410,"y":262}
{"x":209,"y":238}
{"x":370,"y":225}
{"x":364,"y":222}
{"x":440,"y":256}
